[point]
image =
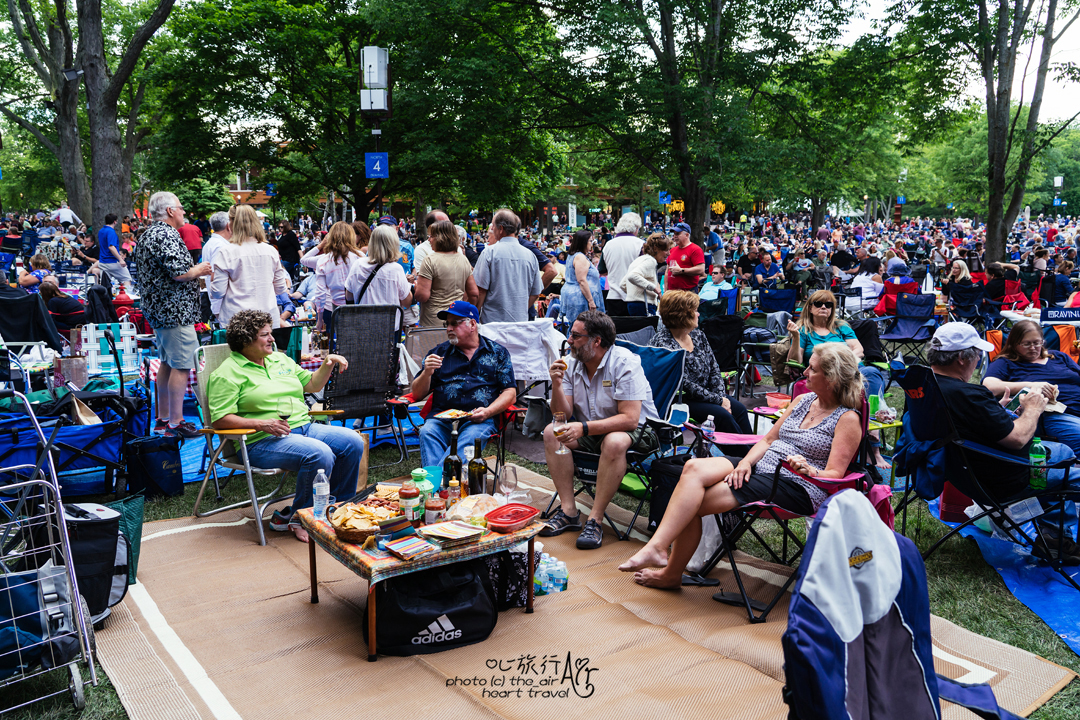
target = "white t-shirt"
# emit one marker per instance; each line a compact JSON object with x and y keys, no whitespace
{"x":619,"y":252}
{"x":390,"y":287}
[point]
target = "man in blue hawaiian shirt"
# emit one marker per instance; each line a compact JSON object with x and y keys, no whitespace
{"x":468,"y":373}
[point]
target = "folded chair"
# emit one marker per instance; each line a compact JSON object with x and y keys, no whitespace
{"x":930,"y":450}
{"x":858,"y":641}
{"x":367,"y":336}
{"x":758,"y":611}
{"x":231,"y":450}
{"x":913,"y":323}
{"x":664,"y":370}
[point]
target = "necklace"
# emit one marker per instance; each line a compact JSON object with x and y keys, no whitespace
{"x":813,"y":416}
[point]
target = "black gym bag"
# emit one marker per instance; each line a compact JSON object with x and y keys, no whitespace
{"x":434,"y":610}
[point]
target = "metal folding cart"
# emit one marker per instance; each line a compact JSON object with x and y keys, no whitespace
{"x":44,"y":623}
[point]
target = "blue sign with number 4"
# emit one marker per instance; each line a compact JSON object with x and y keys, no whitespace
{"x":665,"y":198}
{"x":377,"y":165}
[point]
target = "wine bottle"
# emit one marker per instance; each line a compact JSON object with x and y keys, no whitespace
{"x":452,"y":464}
{"x":477,"y":471}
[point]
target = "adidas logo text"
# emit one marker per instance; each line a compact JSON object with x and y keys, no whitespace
{"x":440,"y":630}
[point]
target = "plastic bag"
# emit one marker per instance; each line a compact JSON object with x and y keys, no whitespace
{"x":473,"y":507}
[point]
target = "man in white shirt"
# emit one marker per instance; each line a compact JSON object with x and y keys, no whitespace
{"x":65,"y":216}
{"x":615,"y":259}
{"x":221,"y":231}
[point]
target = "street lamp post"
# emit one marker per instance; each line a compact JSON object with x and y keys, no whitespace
{"x":866,"y":208}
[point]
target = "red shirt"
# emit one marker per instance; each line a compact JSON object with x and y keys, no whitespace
{"x":685,"y":257}
{"x":192,"y":236}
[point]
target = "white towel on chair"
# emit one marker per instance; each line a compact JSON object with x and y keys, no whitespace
{"x":533,"y":346}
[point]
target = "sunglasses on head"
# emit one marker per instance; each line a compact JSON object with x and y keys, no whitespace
{"x":823,"y":304}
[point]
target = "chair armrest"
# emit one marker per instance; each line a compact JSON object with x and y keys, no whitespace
{"x":230,"y":431}
{"x":1006,"y":457}
{"x":851,"y":480}
{"x":406,"y":399}
{"x":323,"y":413}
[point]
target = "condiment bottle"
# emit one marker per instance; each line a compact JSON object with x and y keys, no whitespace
{"x":409,"y":503}
{"x":434,"y":510}
{"x":453,"y":494}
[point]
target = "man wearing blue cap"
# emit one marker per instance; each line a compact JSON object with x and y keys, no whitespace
{"x":686,"y":261}
{"x":467,"y":372}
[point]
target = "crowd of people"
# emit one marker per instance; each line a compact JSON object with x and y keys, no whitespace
{"x":234,"y":269}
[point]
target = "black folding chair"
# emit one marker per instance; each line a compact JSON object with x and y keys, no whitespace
{"x":368,"y":337}
{"x":931,"y":450}
{"x":724,"y":334}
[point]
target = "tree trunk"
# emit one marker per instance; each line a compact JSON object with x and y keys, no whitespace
{"x":72,"y":166}
{"x":420,"y":216}
{"x":817,"y":212}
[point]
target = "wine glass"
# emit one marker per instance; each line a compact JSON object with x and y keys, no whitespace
{"x":285,"y":408}
{"x":558,"y":426}
{"x":508,"y":480}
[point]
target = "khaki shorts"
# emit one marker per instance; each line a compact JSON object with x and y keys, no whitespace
{"x":643,"y":440}
{"x":177,"y":346}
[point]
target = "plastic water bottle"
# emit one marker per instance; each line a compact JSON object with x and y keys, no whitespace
{"x":708,"y":427}
{"x":321,"y":488}
{"x":1038,"y":465}
{"x":547,"y":579}
{"x":559,"y":577}
{"x":540,"y":582}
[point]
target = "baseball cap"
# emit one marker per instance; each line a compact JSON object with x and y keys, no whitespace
{"x":387,"y":220}
{"x":682,"y":227}
{"x":899,"y":270}
{"x":460,"y":308}
{"x":958,"y":336}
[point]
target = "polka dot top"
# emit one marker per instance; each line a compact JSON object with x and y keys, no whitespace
{"x":814,"y":443}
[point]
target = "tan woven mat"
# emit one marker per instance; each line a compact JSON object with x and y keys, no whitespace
{"x":219,"y":627}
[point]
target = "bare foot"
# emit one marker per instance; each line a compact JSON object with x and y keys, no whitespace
{"x":299,"y":532}
{"x":881,"y":462}
{"x":658,"y":579}
{"x":646,"y":557}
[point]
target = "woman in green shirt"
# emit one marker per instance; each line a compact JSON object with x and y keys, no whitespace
{"x":246,"y":393}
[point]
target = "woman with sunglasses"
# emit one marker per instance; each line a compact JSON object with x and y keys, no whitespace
{"x":1025,"y":362}
{"x":819,"y":324}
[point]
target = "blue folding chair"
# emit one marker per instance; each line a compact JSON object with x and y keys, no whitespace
{"x":930,"y":450}
{"x":859,"y":619}
{"x":966,"y":305}
{"x":772,"y":300}
{"x":664,"y":370}
{"x":913,"y":323}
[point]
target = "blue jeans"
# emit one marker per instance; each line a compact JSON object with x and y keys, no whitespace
{"x":435,"y":438}
{"x":1064,"y":428}
{"x":308,"y":449}
{"x":875,"y":379}
{"x":640,"y":309}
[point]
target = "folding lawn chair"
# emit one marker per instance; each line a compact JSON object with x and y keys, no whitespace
{"x":859,"y":619}
{"x":664,"y":370}
{"x":913,"y":323}
{"x":887,"y":304}
{"x":857,"y":478}
{"x":367,"y":336}
{"x":724,"y":334}
{"x":966,"y":305}
{"x":772,"y":300}
{"x":231,"y":451}
{"x":930,"y":450}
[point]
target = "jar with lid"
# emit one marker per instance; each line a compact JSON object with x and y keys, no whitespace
{"x":434,"y":509}
{"x":409,"y":503}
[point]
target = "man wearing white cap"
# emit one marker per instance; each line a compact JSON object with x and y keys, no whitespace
{"x":954,"y":353}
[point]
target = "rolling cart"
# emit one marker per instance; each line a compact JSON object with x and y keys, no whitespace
{"x":44,"y":623}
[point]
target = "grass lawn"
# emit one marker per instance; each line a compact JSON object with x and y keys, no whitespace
{"x":963,"y":589}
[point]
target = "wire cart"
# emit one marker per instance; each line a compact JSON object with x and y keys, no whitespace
{"x":44,"y":622}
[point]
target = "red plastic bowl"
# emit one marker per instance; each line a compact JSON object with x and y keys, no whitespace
{"x":510,"y":518}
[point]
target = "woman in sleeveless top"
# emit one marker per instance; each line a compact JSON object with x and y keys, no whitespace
{"x":582,"y":290}
{"x":818,"y":437}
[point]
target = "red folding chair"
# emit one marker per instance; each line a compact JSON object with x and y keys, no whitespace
{"x":887,"y":304}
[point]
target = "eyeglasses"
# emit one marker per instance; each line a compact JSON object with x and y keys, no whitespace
{"x":1032,"y":345}
{"x":578,"y":336}
{"x":454,"y":323}
{"x":823,"y":304}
